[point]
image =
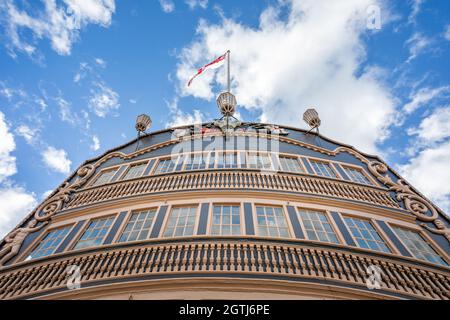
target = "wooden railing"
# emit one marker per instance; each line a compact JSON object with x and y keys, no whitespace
{"x":249,"y":180}
{"x":225,"y":258}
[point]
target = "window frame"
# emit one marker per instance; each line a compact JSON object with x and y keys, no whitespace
{"x":330,"y":220}
{"x":291,"y":233}
{"x":86,"y":226}
{"x":372,"y":182}
{"x":241,"y":217}
{"x":436,"y":248}
{"x":221,"y":153}
{"x":168,"y":214}
{"x":161,"y":159}
{"x":204,"y":155}
{"x":326,"y":162}
{"x":92,"y":183}
{"x":41,"y":237}
{"x":127,"y":219}
{"x":286,"y":155}
{"x":380,"y":233}
{"x":258,"y":154}
{"x":129,"y":166}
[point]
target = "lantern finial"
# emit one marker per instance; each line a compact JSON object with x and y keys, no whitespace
{"x":311,"y":117}
{"x":143,"y":122}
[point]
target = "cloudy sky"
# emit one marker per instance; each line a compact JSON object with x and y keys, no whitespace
{"x":75,"y":73}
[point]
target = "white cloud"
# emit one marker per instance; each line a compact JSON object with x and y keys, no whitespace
{"x":58,"y":22}
{"x":9,"y":92}
{"x":46,"y":194}
{"x":167,"y":5}
{"x":82,"y":72}
{"x":100,"y":62}
{"x":281,"y":68}
{"x":435,"y":127}
{"x":415,"y":9}
{"x":180,"y":118}
{"x":197,"y":3}
{"x":6,"y":92}
{"x":42,"y":104}
{"x":418,"y":44}
{"x":104,"y":100}
{"x":430,"y":173}
{"x":65,"y":112}
{"x":424,"y":96}
{"x":133,"y":101}
{"x":56,"y":159}
{"x":7,"y":145}
{"x":29,"y":134}
{"x":95,"y":143}
{"x":447,"y":32}
{"x":15,"y":203}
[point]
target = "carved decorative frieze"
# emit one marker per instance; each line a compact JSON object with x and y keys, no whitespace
{"x":235,"y":179}
{"x":226,"y":258}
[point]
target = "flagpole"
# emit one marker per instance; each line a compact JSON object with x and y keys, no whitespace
{"x":228,"y":59}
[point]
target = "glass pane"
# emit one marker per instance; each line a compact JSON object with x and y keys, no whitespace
{"x":215,"y":229}
{"x":189,"y":231}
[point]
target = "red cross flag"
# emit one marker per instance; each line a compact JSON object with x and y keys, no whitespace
{"x":212,"y":65}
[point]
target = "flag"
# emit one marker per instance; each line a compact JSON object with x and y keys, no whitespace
{"x":213,"y":63}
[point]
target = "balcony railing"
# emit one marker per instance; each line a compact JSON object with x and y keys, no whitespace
{"x":226,"y":258}
{"x":248,"y":180}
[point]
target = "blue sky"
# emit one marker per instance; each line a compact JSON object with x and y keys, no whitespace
{"x":74,"y":74}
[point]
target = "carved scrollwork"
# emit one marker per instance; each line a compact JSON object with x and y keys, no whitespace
{"x":55,"y":203}
{"x":418,"y":206}
{"x":50,"y":207}
{"x":379,"y":170}
{"x":414,"y":203}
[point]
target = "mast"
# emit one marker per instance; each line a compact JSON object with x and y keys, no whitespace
{"x":226,"y":102}
{"x":228,"y":73}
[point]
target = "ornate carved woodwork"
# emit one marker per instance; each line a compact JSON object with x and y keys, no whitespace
{"x":71,"y":195}
{"x":234,"y":179}
{"x":225,"y":258}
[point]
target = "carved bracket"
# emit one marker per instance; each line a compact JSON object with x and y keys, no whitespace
{"x":414,"y":203}
{"x":417,"y":205}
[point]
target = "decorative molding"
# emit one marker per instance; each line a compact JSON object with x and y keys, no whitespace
{"x":413,"y":202}
{"x":441,"y":229}
{"x":62,"y":196}
{"x":15,"y":239}
{"x":229,"y":180}
{"x":222,"y":258}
